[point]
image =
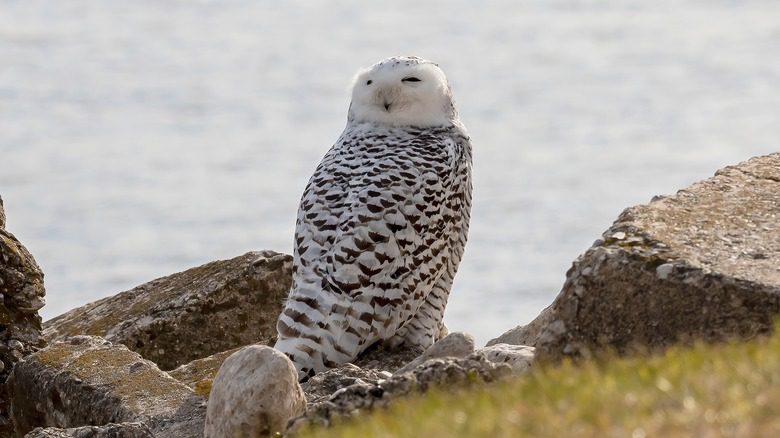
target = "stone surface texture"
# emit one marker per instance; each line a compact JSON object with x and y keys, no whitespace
{"x":457,"y":344}
{"x":254,"y":394}
{"x":701,"y":264}
{"x":353,"y":399}
{"x":377,"y":363}
{"x":86,"y":380}
{"x":21,"y":296}
{"x":199,"y":374}
{"x":323,"y":385}
{"x":518,"y":357}
{"x":192,"y":314}
{"x":385,"y":358}
{"x":112,"y":430}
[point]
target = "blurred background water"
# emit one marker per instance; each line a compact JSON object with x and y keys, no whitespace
{"x":141,"y":138}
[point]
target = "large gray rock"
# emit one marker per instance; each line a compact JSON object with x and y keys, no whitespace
{"x":21,"y":296}
{"x":87,"y":380}
{"x":192,"y":314}
{"x":702,"y":264}
{"x":255,"y":394}
{"x":121,"y":430}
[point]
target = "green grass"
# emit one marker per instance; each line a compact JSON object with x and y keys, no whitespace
{"x":730,"y":390}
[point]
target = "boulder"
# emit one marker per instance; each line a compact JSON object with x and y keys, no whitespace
{"x":702,"y":264}
{"x":86,"y":380}
{"x":455,"y":344}
{"x":21,"y":296}
{"x":361,"y":396}
{"x":121,"y":430}
{"x":254,"y":394}
{"x":192,"y":314}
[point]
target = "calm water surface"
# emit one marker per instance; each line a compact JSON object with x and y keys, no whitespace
{"x":141,"y":138}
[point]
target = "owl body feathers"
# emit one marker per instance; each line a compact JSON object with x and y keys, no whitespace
{"x":380,"y":232}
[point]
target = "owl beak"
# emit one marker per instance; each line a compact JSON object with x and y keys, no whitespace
{"x":385,"y":98}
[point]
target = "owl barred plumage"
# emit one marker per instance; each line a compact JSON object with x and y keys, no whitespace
{"x":383,"y":222}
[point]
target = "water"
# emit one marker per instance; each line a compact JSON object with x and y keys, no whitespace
{"x":140,"y":138}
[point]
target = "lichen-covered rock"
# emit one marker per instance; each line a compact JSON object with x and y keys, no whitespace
{"x":702,"y":264}
{"x":200,"y":373}
{"x":457,"y":344}
{"x":518,"y":357}
{"x":21,"y":296}
{"x":86,"y":380}
{"x":192,"y":314}
{"x":112,"y":430}
{"x":254,"y":394}
{"x":362,"y":396}
{"x":323,"y":385}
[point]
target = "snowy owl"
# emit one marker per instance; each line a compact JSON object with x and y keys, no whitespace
{"x":383,"y":222}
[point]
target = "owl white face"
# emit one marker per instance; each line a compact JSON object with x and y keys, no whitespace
{"x":402,"y":92}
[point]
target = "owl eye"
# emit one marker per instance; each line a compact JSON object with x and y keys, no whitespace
{"x":411,"y":79}
{"x":369,"y":82}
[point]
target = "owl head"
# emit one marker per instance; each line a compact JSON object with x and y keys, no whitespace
{"x":402,"y":91}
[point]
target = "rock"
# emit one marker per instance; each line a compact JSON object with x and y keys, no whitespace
{"x":455,"y":344}
{"x":526,"y":334}
{"x":86,"y":380}
{"x":324,"y":384}
{"x":377,"y":360}
{"x":112,"y":430}
{"x":385,"y":358}
{"x":359,"y":397}
{"x":199,"y":374}
{"x":192,"y":314}
{"x":21,"y":296}
{"x":254,"y":394}
{"x":518,"y":357}
{"x":702,"y":264}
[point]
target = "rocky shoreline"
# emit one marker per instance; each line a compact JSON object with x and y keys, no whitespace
{"x":703,"y":264}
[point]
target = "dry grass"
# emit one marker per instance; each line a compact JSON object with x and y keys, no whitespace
{"x":730,"y":390}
